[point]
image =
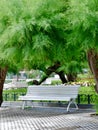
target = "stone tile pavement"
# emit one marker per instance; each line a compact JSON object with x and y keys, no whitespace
{"x":46,"y":118}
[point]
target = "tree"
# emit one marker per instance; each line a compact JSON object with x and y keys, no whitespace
{"x":83,"y":22}
{"x":37,"y":34}
{"x":34,"y":35}
{"x":7,"y":61}
{"x":30,"y":33}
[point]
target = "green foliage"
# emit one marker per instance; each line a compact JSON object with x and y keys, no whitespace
{"x":83,"y":21}
{"x":34,"y":35}
{"x":87,"y":90}
{"x":56,"y":82}
{"x":32,"y":32}
{"x":18,"y":90}
{"x":96,"y":105}
{"x":30,"y":83}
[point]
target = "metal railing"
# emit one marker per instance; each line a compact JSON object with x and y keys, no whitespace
{"x":81,"y":99}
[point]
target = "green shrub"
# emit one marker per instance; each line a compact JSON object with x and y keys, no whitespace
{"x":17,"y":90}
{"x":87,"y":90}
{"x":54,"y":82}
{"x":96,"y":104}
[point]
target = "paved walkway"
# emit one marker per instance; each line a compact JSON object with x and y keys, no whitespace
{"x":45,"y":118}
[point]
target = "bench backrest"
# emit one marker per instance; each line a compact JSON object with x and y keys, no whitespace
{"x":50,"y":90}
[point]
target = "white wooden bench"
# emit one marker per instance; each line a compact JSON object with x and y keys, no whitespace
{"x":51,"y":93}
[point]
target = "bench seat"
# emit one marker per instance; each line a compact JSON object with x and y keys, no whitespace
{"x":43,"y":98}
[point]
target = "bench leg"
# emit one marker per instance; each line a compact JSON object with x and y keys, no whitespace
{"x":76,"y":105}
{"x":24,"y":104}
{"x":69,"y":105}
{"x":32,"y":105}
{"x":70,"y":102}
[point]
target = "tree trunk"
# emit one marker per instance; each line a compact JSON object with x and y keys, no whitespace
{"x":93,"y":63}
{"x":62,"y":76}
{"x":71,"y":77}
{"x":49,"y":71}
{"x":3,"y":72}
